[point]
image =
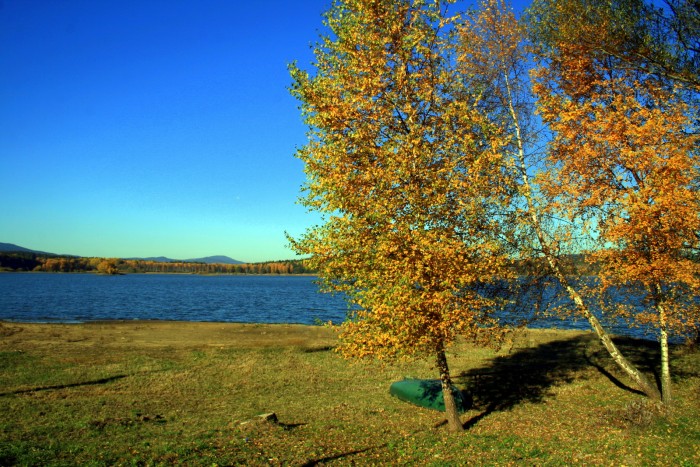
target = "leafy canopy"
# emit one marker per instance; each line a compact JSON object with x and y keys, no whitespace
{"x":624,"y":158}
{"x":405,"y":170}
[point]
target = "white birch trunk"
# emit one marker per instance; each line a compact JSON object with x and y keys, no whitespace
{"x":638,"y":377}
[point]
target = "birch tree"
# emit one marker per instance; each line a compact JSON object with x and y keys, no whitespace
{"x":660,"y":38}
{"x":624,"y":159}
{"x":493,"y":48}
{"x":406,"y":175}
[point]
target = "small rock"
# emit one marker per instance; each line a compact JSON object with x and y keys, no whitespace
{"x":265,"y":417}
{"x":268,"y":417}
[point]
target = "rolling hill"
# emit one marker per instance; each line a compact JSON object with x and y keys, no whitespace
{"x":218,"y":259}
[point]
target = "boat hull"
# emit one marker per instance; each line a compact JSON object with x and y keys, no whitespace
{"x":427,"y":393}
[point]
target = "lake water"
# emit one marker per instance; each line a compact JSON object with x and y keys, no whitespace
{"x":46,"y":297}
{"x":49,"y":297}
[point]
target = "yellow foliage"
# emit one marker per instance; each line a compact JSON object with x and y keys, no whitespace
{"x":406,"y":172}
{"x":624,"y":157}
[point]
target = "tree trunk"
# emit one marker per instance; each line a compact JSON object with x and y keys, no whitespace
{"x":637,"y":376}
{"x":453,"y":421}
{"x":665,"y":369}
{"x":663,"y":341}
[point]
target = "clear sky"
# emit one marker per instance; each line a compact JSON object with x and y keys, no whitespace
{"x":152,"y":127}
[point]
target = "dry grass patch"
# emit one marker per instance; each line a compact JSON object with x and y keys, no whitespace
{"x":177,"y":393}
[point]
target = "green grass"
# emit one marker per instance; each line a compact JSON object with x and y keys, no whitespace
{"x":178,"y":393}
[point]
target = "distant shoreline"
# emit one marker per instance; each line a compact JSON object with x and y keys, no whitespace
{"x":152,"y":273}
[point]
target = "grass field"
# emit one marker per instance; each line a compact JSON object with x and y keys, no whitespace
{"x":153,"y":393}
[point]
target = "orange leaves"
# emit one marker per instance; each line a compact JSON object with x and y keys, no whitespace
{"x":417,"y":159}
{"x":623,"y":156}
{"x":401,"y":163}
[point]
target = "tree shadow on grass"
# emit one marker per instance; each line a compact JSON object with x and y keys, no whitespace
{"x":65,"y":386}
{"x":646,"y":356}
{"x":643,"y":354}
{"x":530,"y":374}
{"x":341,"y":456}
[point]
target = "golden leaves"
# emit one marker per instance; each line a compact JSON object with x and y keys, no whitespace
{"x":622,"y":157}
{"x":412,"y":158}
{"x":399,"y":160}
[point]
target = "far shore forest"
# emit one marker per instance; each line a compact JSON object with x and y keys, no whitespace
{"x":32,"y":262}
{"x":20,"y":262}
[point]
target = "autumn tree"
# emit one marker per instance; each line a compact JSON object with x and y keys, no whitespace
{"x":493,"y":48}
{"x":404,"y":171}
{"x":623,"y":162}
{"x":108,"y":266}
{"x":660,"y":38}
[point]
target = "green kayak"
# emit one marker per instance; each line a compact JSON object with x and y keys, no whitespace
{"x":427,"y":393}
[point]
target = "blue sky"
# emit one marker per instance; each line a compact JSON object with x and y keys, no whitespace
{"x":152,"y":127}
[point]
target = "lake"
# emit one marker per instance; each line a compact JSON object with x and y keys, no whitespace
{"x":50,"y":297}
{"x":71,"y":298}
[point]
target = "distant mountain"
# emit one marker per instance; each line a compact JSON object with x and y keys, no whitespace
{"x":215,"y":260}
{"x":12,"y":248}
